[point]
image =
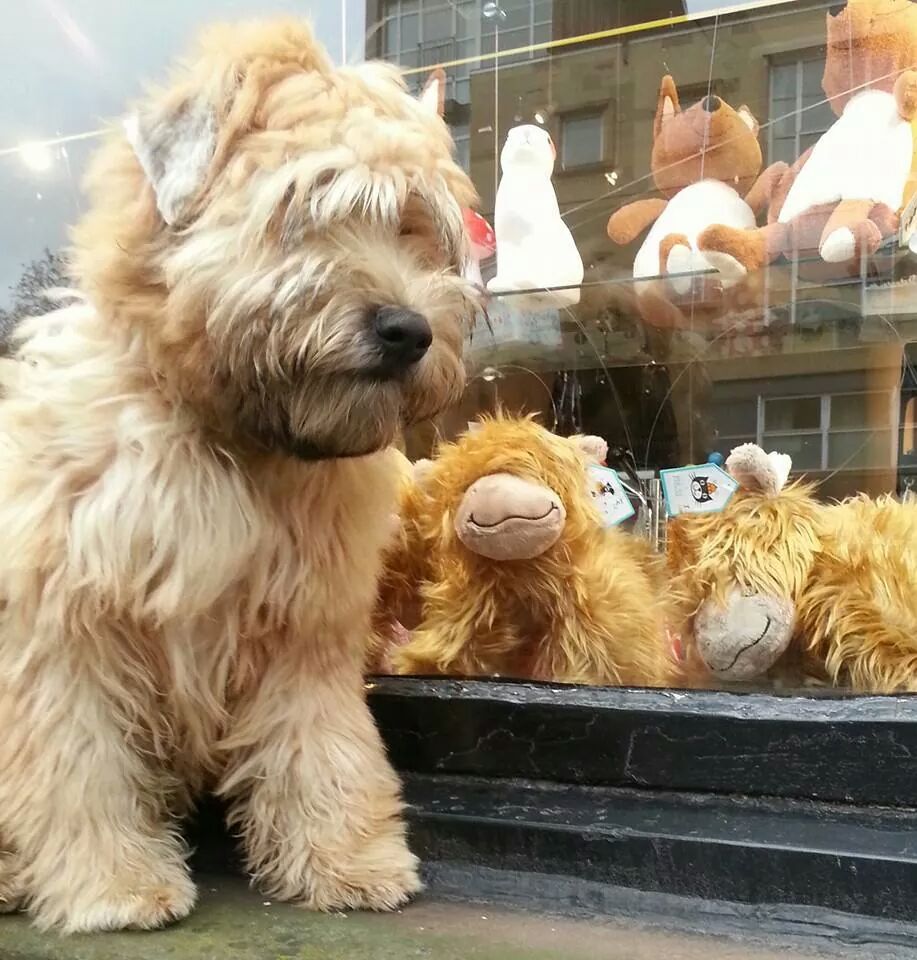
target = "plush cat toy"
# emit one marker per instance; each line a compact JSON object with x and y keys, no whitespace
{"x":515,"y":575}
{"x":843,"y":196}
{"x":779,"y":588}
{"x":535,"y":249}
{"x":706,"y":162}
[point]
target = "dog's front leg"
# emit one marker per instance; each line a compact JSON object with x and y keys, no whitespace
{"x":83,"y":813}
{"x":314,"y":796}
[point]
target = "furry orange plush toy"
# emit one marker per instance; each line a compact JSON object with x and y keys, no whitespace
{"x":516,"y":576}
{"x":843,"y":196}
{"x":706,"y":162}
{"x":780,"y":587}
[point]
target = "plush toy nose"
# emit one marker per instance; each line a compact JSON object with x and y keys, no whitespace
{"x":743,"y":639}
{"x":504,"y":517}
{"x":402,"y":336}
{"x":711,"y":104}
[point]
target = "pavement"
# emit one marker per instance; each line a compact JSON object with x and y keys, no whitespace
{"x":232,"y":922}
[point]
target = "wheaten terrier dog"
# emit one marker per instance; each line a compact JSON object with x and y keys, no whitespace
{"x":195,"y":487}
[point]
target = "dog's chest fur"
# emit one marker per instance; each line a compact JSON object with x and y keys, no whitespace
{"x":193,"y":572}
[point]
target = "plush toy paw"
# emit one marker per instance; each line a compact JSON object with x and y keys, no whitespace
{"x":733,"y":252}
{"x":906,"y":94}
{"x":839,"y":246}
{"x":849,"y":243}
{"x":731,"y":269}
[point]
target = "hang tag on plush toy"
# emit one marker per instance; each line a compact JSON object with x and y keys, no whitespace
{"x":702,"y":489}
{"x":610,"y":496}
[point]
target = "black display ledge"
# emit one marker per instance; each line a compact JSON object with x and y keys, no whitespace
{"x":857,"y":750}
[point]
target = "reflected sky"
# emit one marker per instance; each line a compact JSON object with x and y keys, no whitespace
{"x":70,"y":65}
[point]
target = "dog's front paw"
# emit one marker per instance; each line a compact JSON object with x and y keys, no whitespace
{"x":11,"y":893}
{"x":382,"y":875}
{"x":145,"y":906}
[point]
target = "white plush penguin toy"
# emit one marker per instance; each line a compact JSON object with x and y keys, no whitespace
{"x":535,"y":249}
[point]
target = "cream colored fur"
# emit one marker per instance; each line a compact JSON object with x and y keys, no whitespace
{"x":184,"y":605}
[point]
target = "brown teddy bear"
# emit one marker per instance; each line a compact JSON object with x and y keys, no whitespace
{"x":706,"y":161}
{"x":781,"y":588}
{"x":503,"y":546}
{"x":843,"y":196}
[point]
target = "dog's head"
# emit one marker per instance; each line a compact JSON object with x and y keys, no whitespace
{"x":288,"y":237}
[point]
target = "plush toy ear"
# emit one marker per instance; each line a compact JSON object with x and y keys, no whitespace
{"x":422,"y":469}
{"x":756,"y":470}
{"x":748,"y":119}
{"x":667,"y":105}
{"x":433,"y":95}
{"x":594,"y":449}
{"x":175,"y":145}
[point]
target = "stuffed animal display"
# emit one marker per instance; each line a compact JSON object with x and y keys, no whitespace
{"x":843,"y":196}
{"x":535,"y":249}
{"x":781,"y":588}
{"x":516,"y":576}
{"x":706,"y":162}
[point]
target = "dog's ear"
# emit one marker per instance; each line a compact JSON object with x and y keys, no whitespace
{"x":175,"y":145}
{"x":178,"y":134}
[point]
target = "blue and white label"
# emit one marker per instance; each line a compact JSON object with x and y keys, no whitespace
{"x":610,"y":496}
{"x":703,"y":489}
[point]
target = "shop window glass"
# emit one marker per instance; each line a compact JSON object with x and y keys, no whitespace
{"x":669,"y":366}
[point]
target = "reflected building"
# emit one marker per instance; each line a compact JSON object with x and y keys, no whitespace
{"x":819,"y":370}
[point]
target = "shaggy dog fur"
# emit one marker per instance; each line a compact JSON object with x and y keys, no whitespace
{"x":190,"y":549}
{"x":848,"y":569}
{"x":587,"y":610}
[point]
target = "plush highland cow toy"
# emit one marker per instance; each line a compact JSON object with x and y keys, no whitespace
{"x":516,"y":576}
{"x":783,"y":589}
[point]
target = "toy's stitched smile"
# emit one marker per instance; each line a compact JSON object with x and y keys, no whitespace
{"x":490,"y":526}
{"x":748,"y":646}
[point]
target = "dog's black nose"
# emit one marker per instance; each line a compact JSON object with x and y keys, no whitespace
{"x":403,"y":335}
{"x":711,"y":104}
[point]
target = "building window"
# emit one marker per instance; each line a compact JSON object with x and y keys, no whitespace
{"x":799,"y":113}
{"x":420,"y":33}
{"x":835,"y":431}
{"x":582,"y":140}
{"x":511,"y":24}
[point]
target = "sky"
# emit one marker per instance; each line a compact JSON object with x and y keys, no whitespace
{"x":67,"y":66}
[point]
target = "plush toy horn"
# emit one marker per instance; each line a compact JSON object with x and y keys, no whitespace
{"x":756,"y":470}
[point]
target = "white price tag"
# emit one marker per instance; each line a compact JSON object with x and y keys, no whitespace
{"x":702,"y":489}
{"x":610,"y":496}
